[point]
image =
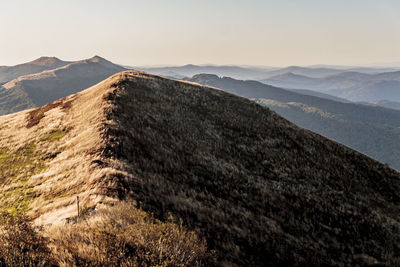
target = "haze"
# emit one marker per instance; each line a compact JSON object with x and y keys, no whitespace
{"x":258,"y":32}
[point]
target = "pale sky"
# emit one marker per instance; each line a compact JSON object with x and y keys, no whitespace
{"x":174,"y":32}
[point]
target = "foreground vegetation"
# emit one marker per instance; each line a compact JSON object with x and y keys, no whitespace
{"x":114,"y":236}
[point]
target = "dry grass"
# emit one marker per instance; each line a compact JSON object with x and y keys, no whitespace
{"x":115,"y":236}
{"x":126,"y":236}
{"x":34,"y":116}
{"x":21,"y":244}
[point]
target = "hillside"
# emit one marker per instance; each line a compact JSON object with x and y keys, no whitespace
{"x":41,"y":88}
{"x":369,"y":129}
{"x":8,"y":73}
{"x":261,"y":190}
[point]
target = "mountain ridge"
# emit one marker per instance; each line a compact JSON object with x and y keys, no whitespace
{"x":351,"y":85}
{"x":38,"y":89}
{"x":8,"y":73}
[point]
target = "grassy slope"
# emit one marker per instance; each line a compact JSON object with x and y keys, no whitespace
{"x":58,"y":165}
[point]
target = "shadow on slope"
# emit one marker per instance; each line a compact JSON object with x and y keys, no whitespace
{"x":261,"y":190}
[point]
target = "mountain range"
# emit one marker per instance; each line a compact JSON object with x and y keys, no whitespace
{"x":189,"y":70}
{"x":257,"y":73}
{"x":369,"y":129}
{"x":259,"y":189}
{"x":357,"y":84}
{"x":354,"y":86}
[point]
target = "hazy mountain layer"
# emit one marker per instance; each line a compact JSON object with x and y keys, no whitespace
{"x":354,"y":86}
{"x":256,"y":73}
{"x":190,"y":70}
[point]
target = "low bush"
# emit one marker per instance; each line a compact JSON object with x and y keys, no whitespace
{"x":21,"y":244}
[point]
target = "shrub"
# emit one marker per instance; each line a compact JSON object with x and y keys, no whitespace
{"x":21,"y":244}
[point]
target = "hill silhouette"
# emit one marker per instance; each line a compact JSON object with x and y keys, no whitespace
{"x":38,"y":65}
{"x":261,"y":190}
{"x":41,"y":88}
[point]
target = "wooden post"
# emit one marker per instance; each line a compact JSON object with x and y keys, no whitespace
{"x":77,"y":204}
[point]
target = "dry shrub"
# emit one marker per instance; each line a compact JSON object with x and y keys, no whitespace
{"x":115,"y":236}
{"x":125,"y":236}
{"x":20,"y":243}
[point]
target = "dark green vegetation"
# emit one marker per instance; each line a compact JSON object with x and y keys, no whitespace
{"x":372,"y":130}
{"x":44,"y":87}
{"x":261,"y":190}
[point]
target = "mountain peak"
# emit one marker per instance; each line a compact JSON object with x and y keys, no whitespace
{"x":97,"y":58}
{"x":46,"y":61}
{"x":205,"y":76}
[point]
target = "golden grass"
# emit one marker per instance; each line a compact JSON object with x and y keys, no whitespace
{"x":115,"y":236}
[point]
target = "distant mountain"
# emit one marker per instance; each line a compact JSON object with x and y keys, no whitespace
{"x":354,"y":86}
{"x":260,"y":73}
{"x":38,"y":65}
{"x":374,"y":131}
{"x":291,"y":80}
{"x":362,"y":69}
{"x":260,"y":190}
{"x":303,"y":71}
{"x":190,"y":70}
{"x":41,"y":88}
{"x":372,"y":70}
